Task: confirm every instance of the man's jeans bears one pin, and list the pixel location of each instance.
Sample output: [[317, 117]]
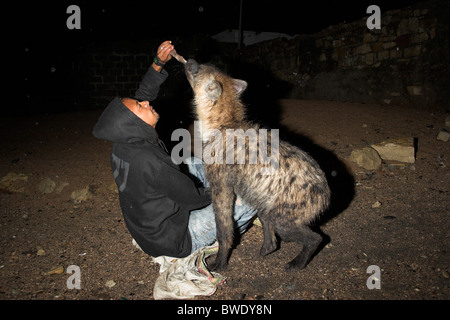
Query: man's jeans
[[202, 223]]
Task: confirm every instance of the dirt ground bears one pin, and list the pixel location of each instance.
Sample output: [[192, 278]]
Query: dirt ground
[[405, 234]]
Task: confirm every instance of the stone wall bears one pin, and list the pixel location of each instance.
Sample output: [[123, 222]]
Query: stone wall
[[404, 62], [116, 71]]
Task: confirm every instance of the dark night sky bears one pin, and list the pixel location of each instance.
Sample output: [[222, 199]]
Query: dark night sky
[[41, 35], [134, 19]]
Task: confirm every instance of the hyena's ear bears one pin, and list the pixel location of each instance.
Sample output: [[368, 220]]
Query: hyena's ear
[[213, 90], [239, 85]]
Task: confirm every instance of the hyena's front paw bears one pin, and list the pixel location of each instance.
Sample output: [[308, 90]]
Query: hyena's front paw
[[293, 266], [267, 248], [218, 265], [298, 263]]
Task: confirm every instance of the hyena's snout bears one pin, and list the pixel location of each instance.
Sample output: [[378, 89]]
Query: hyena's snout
[[192, 67]]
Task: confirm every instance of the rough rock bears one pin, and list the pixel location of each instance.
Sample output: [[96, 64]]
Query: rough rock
[[61, 186], [376, 204], [400, 149], [46, 186], [366, 158], [56, 270], [81, 194], [443, 135], [113, 188], [13, 182], [40, 251], [447, 121]]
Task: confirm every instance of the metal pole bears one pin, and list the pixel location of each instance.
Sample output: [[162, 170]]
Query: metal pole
[[240, 27]]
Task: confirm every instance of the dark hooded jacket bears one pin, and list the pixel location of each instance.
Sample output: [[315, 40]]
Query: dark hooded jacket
[[155, 195]]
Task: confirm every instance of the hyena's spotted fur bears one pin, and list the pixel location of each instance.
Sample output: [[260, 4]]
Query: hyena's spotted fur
[[287, 200]]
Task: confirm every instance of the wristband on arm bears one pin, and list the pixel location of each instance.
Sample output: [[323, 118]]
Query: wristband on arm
[[158, 62]]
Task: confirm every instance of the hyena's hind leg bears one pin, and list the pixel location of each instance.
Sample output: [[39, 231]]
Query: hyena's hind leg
[[304, 235], [270, 240]]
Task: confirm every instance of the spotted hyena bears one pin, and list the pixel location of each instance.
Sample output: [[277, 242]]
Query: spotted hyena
[[288, 195]]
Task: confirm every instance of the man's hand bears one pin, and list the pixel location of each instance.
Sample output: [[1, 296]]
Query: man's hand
[[163, 52]]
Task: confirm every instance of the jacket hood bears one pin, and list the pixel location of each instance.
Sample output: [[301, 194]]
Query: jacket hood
[[119, 124]]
